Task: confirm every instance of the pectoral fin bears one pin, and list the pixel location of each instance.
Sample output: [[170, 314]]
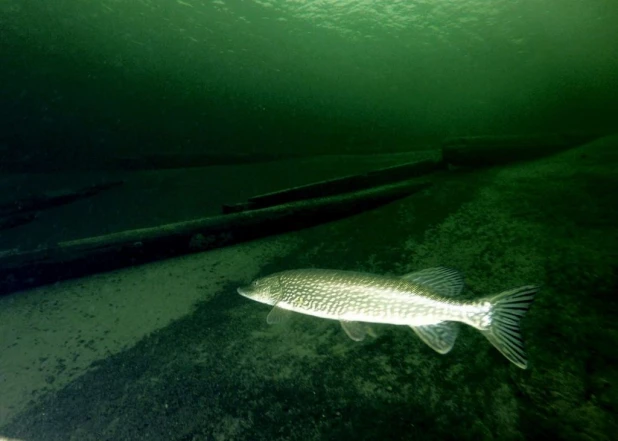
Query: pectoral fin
[[440, 337], [356, 331], [277, 315]]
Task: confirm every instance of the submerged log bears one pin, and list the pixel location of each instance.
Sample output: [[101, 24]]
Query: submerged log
[[493, 150], [16, 220], [25, 269], [49, 200], [336, 186], [170, 160]]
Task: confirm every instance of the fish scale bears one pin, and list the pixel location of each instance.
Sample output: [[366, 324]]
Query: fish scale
[[351, 295], [424, 300]]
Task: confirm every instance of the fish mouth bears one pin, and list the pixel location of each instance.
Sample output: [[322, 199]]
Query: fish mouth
[[243, 290]]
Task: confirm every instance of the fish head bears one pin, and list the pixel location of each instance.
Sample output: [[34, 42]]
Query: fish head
[[264, 290]]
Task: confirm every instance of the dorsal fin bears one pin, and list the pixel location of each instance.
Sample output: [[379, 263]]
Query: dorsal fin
[[443, 281]]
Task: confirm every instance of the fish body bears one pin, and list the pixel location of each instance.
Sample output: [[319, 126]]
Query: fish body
[[425, 300]]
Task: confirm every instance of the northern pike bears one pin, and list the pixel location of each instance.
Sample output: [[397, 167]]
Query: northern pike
[[425, 300]]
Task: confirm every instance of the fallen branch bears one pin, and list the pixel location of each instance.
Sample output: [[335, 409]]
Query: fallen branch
[[492, 150], [76, 258], [16, 220], [50, 200], [331, 187]]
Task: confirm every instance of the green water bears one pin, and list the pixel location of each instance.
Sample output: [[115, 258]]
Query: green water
[[89, 78], [169, 351]]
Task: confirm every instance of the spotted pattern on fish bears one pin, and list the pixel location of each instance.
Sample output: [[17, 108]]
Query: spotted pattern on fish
[[425, 300]]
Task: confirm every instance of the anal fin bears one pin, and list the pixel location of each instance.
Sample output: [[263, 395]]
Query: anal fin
[[439, 337]]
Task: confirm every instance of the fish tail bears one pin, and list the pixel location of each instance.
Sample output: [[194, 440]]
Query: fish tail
[[506, 311]]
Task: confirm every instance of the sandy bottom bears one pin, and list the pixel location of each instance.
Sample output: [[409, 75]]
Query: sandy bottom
[[52, 334], [169, 351]]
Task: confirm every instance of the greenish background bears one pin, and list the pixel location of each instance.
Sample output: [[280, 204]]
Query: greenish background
[[218, 371], [84, 79]]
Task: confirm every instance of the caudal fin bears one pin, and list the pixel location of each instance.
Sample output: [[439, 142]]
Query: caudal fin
[[507, 309]]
